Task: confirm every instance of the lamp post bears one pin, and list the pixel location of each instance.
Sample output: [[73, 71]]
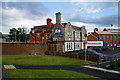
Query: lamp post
[[85, 46]]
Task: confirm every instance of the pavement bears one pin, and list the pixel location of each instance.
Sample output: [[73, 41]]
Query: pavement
[[93, 71]]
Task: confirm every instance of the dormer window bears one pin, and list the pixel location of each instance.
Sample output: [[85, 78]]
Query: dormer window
[[32, 31]]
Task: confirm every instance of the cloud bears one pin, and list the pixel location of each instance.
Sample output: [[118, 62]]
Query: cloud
[[16, 15], [104, 20]]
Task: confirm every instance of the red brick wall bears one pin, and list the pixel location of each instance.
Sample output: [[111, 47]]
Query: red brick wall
[[22, 48], [92, 38]]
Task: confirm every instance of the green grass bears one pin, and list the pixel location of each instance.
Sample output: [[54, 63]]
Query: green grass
[[40, 60], [17, 73]]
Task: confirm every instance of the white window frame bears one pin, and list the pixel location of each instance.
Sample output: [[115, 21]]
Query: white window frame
[[38, 34], [48, 36]]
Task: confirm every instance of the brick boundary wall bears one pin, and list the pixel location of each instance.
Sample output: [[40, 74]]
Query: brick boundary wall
[[23, 48]]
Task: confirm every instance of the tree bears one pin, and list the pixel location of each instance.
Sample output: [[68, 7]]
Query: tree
[[13, 34], [1, 35], [19, 34]]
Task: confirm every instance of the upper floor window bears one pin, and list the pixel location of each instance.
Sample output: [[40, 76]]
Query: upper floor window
[[47, 36], [111, 37], [118, 37], [44, 30], [38, 34], [107, 37], [103, 37], [77, 35], [32, 31], [69, 34], [114, 37], [100, 37]]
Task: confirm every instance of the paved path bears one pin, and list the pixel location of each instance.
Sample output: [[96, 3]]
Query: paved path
[[89, 71], [4, 75]]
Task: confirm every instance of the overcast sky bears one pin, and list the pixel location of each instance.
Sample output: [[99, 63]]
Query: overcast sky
[[30, 14]]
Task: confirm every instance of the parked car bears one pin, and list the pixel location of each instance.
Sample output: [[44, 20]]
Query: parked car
[[91, 52], [98, 49], [106, 48]]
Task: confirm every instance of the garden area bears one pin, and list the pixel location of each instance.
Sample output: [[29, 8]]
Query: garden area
[[41, 60]]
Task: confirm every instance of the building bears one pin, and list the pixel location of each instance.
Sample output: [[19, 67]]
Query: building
[[5, 38], [110, 36], [69, 36], [42, 33]]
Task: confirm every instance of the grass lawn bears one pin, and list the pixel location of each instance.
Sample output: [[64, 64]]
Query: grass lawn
[[40, 60], [17, 73]]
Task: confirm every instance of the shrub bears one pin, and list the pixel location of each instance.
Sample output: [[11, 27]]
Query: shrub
[[30, 54], [113, 65], [118, 63], [47, 53]]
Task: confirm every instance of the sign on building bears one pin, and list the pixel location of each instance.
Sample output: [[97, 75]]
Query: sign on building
[[94, 43]]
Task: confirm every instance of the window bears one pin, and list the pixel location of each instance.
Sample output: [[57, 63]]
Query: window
[[47, 36], [38, 34], [111, 37], [69, 34], [43, 39], [32, 31], [107, 43], [118, 37], [119, 44], [115, 44], [100, 37], [111, 43], [44, 30], [114, 37], [69, 46], [107, 37], [103, 37], [77, 35], [37, 40]]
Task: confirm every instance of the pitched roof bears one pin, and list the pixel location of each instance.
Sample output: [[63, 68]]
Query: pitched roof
[[106, 32], [39, 28], [76, 27]]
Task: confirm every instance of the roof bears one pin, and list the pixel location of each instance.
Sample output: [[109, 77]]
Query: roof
[[76, 27], [39, 28], [106, 32]]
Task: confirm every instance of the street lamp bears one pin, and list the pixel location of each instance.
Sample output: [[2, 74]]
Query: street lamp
[[85, 46]]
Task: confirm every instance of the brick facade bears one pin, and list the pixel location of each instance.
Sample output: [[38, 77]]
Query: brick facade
[[23, 48], [43, 31], [111, 38]]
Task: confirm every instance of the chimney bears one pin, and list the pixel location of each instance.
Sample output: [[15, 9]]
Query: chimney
[[96, 29], [58, 18], [48, 23], [104, 29]]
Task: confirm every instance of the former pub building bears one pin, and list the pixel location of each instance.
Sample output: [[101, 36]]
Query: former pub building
[[67, 36]]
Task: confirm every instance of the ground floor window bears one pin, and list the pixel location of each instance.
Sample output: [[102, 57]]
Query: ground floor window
[[119, 44], [111, 43], [115, 44], [43, 39], [69, 45]]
